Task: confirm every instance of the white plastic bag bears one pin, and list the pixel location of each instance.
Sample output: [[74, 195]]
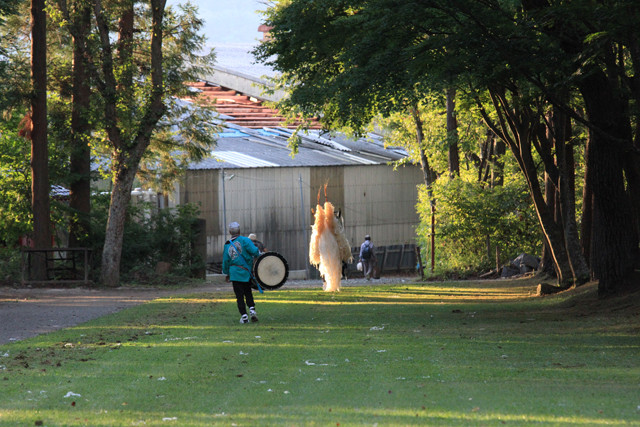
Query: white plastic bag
[[359, 266]]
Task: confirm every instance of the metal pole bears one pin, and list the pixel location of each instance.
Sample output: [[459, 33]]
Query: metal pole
[[433, 236], [304, 224], [224, 206], [86, 265]]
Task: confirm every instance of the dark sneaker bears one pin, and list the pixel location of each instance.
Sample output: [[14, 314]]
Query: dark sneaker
[[244, 319], [254, 315]]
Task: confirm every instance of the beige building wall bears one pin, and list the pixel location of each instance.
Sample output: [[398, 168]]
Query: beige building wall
[[265, 201], [381, 202], [276, 204]]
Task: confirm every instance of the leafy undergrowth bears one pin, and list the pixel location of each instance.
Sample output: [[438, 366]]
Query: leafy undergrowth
[[458, 353]]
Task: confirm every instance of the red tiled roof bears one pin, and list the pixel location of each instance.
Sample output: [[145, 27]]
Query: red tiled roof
[[244, 110]]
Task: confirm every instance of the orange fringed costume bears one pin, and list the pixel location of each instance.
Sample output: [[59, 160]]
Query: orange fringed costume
[[329, 246]]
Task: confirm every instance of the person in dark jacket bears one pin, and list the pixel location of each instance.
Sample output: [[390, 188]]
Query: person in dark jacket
[[367, 257], [239, 254]]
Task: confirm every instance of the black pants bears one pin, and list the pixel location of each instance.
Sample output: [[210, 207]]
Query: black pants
[[243, 292]]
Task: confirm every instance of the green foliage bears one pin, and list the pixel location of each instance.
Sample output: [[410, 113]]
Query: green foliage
[[8, 7], [119, 80], [399, 129], [351, 61], [15, 82], [472, 220], [187, 130], [336, 63], [10, 266], [469, 212], [150, 236], [15, 184]]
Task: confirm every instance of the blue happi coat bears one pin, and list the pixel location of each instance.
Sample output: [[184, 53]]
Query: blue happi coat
[[237, 259]]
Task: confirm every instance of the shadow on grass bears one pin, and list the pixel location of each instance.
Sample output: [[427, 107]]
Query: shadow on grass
[[391, 355]]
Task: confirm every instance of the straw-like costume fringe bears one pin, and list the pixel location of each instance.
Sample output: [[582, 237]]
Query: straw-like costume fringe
[[329, 246]]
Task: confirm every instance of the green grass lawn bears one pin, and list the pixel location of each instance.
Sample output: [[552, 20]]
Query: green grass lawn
[[464, 353]]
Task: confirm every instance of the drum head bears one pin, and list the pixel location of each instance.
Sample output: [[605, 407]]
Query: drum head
[[271, 270]]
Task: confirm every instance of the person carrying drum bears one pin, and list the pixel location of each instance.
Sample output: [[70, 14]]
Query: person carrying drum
[[239, 254]]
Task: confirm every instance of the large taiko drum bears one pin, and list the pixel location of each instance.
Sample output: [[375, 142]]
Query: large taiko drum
[[270, 270]]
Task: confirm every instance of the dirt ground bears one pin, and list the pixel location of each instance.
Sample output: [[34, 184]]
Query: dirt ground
[[27, 312]]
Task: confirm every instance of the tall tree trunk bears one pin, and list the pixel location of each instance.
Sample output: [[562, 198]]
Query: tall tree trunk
[[452, 134], [586, 222], [114, 234], [429, 178], [127, 154], [429, 174], [521, 124], [632, 161], [80, 159], [497, 164], [632, 174], [552, 231], [561, 124], [40, 186], [124, 52], [612, 245], [547, 265], [484, 162]]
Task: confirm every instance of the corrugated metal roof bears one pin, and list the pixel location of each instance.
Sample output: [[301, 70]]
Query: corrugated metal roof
[[241, 109], [59, 192], [257, 136], [250, 148], [241, 159]]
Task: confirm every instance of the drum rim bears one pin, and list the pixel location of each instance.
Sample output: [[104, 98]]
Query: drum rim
[[286, 270]]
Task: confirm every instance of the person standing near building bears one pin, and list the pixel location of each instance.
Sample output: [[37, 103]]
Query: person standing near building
[[367, 257], [238, 256], [257, 242]]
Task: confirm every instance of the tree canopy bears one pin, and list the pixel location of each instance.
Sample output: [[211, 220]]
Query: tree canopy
[[116, 71], [530, 68]]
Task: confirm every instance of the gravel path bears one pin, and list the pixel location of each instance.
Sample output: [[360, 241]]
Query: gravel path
[[27, 312]]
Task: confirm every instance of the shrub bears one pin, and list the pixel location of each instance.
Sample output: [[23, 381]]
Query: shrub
[[473, 220], [10, 266], [150, 236]]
